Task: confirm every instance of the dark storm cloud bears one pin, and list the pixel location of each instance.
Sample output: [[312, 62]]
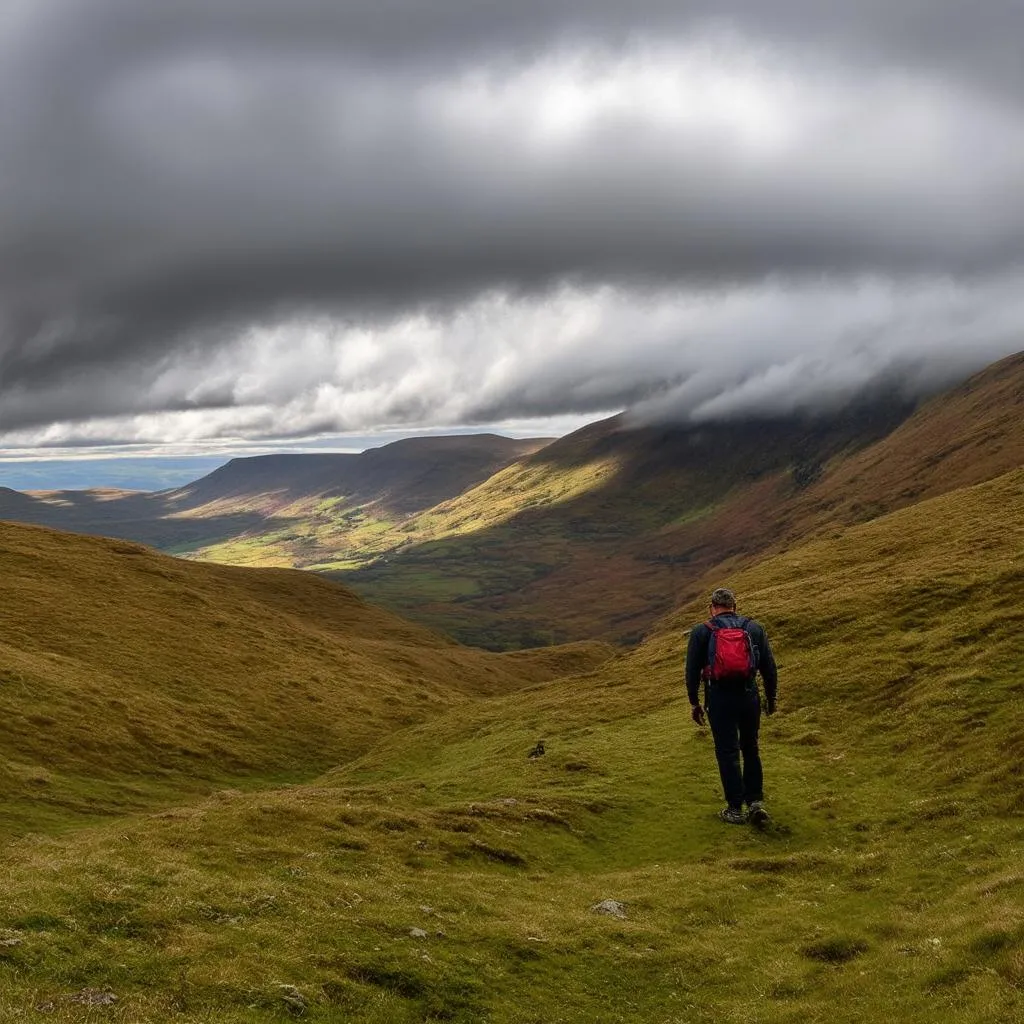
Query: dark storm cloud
[[175, 175]]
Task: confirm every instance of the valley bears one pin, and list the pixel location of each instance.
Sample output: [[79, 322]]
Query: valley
[[439, 873], [505, 544], [235, 793]]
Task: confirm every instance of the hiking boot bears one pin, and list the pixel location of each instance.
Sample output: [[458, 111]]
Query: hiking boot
[[757, 815], [732, 816]]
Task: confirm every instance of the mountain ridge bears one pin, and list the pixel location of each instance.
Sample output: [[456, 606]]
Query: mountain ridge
[[248, 492], [602, 531]]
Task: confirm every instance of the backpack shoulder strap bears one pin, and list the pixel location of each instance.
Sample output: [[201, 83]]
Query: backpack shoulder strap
[[711, 625]]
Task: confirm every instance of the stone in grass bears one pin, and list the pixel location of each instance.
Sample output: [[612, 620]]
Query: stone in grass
[[295, 1002], [613, 908], [94, 997], [417, 933]]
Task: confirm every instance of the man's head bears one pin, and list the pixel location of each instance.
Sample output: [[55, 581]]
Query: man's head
[[723, 600]]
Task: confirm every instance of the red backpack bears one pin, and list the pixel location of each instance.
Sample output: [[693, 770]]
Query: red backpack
[[731, 654]]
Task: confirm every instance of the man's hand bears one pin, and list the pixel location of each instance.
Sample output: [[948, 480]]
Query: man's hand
[[697, 714], [769, 705]]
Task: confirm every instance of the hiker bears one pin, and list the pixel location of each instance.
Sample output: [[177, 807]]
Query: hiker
[[727, 652]]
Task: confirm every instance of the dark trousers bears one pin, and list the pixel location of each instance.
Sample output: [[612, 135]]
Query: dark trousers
[[734, 713]]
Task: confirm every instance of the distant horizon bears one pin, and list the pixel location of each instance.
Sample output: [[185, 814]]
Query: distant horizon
[[159, 467]]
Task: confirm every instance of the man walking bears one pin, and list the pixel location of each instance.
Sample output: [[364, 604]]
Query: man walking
[[727, 652]]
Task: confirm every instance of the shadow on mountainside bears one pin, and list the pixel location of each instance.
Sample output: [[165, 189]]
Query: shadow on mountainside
[[272, 493], [143, 518], [609, 561]]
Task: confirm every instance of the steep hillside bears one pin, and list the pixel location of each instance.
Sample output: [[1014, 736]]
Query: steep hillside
[[124, 673], [967, 435], [399, 478], [447, 876], [604, 530], [286, 499], [601, 532]]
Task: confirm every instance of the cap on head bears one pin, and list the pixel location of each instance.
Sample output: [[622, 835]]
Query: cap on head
[[723, 598]]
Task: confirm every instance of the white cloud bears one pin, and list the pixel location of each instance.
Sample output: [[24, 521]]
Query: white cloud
[[580, 353]]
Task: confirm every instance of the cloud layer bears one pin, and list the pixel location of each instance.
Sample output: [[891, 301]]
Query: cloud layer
[[257, 219]]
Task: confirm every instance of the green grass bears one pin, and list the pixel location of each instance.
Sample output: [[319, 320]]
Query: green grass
[[128, 678], [890, 886]]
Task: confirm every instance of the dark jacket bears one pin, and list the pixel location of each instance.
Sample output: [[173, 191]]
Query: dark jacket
[[697, 653]]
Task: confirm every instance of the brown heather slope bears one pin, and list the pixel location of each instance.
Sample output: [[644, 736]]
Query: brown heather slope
[[965, 436], [677, 502], [124, 672]]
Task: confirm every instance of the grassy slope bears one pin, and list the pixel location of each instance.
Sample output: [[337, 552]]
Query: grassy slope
[[890, 888], [605, 530], [589, 535], [125, 674]]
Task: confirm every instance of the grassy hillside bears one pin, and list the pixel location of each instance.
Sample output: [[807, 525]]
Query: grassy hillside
[[127, 676], [605, 530], [890, 886]]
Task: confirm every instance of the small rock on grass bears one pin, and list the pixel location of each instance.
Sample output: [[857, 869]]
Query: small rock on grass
[[417, 933], [613, 908], [293, 999], [94, 997]]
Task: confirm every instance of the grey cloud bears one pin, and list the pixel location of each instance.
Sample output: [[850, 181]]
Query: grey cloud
[[770, 349], [175, 174]]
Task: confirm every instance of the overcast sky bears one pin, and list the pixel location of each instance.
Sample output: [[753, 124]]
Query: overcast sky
[[281, 218]]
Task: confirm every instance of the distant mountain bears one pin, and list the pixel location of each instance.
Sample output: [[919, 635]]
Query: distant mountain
[[271, 490], [400, 478], [600, 532]]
